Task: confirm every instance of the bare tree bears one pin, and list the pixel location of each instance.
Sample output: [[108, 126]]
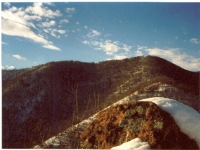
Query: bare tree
[[77, 118]]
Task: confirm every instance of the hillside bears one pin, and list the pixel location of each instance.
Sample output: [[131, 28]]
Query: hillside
[[157, 122], [42, 101], [144, 120]]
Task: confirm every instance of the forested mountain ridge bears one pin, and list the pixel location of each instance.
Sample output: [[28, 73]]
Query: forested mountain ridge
[[39, 102]]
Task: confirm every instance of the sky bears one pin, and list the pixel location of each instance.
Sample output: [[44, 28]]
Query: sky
[[36, 33]]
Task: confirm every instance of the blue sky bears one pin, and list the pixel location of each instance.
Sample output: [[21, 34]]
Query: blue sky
[[37, 33]]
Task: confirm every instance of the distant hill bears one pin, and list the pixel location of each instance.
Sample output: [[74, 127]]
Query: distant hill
[[41, 101]]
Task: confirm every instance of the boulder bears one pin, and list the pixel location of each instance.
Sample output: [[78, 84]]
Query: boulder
[[144, 120]]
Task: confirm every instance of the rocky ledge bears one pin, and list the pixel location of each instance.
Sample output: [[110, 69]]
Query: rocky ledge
[[144, 120]]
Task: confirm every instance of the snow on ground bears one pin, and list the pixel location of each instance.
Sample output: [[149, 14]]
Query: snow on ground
[[135, 144], [56, 140], [185, 117]]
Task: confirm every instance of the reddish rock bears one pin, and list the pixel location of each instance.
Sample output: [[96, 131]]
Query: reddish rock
[[145, 120]]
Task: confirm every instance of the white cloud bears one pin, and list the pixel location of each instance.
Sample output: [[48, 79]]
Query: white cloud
[[45, 30], [7, 4], [40, 10], [70, 10], [17, 22], [110, 47], [49, 3], [4, 43], [96, 43], [61, 31], [126, 47], [2, 67], [139, 53], [141, 47], [64, 21], [19, 57], [15, 15], [16, 29], [175, 56], [49, 46], [30, 18], [24, 16], [77, 23], [120, 56], [48, 24], [194, 41], [55, 35], [93, 34], [140, 50], [14, 9], [55, 32], [10, 67], [86, 42], [172, 54]]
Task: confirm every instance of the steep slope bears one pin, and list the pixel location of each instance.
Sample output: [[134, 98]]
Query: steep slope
[[40, 102], [37, 100]]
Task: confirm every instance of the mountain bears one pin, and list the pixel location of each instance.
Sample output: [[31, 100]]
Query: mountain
[[42, 101]]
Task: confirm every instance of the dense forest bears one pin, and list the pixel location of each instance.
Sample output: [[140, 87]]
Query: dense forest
[[44, 100]]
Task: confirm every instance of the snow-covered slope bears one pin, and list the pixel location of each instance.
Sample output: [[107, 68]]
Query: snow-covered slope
[[186, 118]]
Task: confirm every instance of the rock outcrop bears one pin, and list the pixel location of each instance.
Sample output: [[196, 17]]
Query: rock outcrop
[[144, 120]]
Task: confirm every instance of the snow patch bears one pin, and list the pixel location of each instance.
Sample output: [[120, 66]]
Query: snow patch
[[53, 141], [135, 144], [185, 117]]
